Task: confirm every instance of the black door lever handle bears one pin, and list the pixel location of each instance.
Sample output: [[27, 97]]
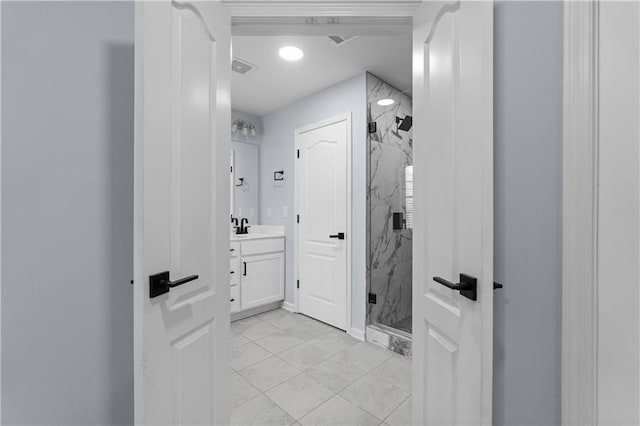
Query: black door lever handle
[[160, 284], [339, 235], [497, 285], [468, 286], [176, 283], [452, 286]]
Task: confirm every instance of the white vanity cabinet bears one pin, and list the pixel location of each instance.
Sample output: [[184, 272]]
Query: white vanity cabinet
[[258, 271], [235, 277]]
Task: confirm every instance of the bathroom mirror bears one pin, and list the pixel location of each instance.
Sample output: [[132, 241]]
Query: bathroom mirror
[[245, 179], [246, 135]]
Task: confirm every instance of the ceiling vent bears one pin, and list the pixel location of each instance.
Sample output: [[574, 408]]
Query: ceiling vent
[[340, 40], [241, 66]]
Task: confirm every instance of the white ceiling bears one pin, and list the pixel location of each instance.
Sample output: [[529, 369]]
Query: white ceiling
[[276, 82]]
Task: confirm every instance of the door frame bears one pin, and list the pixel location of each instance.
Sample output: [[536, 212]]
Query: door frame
[[580, 214], [386, 18], [279, 9], [296, 235], [0, 214]]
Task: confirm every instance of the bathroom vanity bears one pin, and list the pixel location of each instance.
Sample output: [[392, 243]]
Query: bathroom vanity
[[257, 270]]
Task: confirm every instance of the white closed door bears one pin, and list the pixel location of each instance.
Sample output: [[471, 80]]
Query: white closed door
[[322, 171], [181, 327], [453, 232]]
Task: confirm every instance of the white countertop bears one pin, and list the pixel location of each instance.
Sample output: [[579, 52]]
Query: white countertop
[[257, 232]]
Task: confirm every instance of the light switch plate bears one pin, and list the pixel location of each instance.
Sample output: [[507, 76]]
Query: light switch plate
[[285, 211]]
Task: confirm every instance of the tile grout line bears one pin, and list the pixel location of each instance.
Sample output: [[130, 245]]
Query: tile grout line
[[363, 408], [396, 409], [333, 394], [315, 408]]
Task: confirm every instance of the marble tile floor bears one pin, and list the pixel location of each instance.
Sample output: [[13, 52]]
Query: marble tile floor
[[288, 369]]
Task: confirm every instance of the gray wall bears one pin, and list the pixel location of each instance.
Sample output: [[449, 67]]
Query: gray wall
[[277, 153], [67, 213], [528, 201]]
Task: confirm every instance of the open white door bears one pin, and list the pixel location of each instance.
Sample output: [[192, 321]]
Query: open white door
[[453, 166], [182, 115]]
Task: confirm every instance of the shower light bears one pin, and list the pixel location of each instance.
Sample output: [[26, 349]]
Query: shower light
[[291, 53], [386, 102]]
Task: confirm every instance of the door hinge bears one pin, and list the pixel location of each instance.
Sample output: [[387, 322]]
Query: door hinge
[[373, 127], [298, 284], [231, 169], [298, 218], [298, 153], [373, 298]]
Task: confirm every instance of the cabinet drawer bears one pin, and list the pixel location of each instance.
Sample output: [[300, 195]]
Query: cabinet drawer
[[234, 249], [270, 245], [235, 299], [235, 271]]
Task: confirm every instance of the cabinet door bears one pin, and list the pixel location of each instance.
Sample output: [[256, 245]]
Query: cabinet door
[[262, 279]]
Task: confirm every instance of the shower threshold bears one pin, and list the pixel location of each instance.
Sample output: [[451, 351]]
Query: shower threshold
[[395, 340]]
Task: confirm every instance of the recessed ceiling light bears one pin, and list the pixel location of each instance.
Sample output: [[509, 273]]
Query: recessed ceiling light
[[386, 102], [291, 53]]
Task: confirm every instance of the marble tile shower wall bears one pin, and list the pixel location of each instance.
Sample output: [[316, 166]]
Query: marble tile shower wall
[[389, 250]]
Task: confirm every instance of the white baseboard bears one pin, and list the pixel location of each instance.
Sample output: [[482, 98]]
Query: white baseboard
[[288, 306], [356, 333], [254, 311]]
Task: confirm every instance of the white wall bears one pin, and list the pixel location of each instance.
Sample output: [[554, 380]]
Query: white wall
[[278, 153], [67, 213]]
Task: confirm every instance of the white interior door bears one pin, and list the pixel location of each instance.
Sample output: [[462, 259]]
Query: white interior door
[[453, 233], [182, 147], [322, 198]]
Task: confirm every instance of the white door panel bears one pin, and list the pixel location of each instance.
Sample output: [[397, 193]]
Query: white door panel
[[321, 196], [181, 217], [453, 233]]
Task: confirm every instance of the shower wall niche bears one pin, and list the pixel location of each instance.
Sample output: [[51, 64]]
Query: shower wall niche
[[390, 207]]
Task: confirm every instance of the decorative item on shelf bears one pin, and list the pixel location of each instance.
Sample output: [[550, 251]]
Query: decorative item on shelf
[[243, 128], [241, 180], [278, 175]]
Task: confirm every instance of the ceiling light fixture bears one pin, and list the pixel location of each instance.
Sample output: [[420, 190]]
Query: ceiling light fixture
[[243, 128], [291, 53], [386, 102]]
